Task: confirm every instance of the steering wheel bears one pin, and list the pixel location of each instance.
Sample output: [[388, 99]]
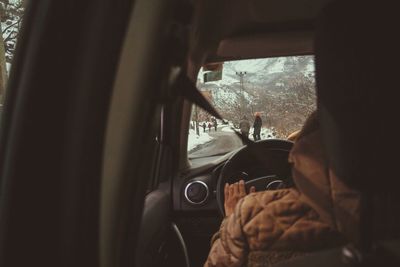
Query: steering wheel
[[263, 164]]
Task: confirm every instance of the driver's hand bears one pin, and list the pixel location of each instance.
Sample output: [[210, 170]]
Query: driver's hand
[[233, 193]]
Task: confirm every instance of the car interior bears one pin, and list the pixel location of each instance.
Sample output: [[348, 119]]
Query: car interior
[[94, 158]]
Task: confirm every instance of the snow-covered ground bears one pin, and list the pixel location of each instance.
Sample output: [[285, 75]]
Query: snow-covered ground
[[227, 129], [195, 140], [266, 133]]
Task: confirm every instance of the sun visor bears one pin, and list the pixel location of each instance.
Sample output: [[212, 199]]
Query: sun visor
[[265, 45]]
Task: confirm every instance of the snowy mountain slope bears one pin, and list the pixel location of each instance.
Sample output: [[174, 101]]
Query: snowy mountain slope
[[262, 71], [281, 88]]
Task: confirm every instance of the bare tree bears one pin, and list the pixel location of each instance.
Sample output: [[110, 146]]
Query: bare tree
[[11, 15], [3, 70], [284, 107], [11, 18]]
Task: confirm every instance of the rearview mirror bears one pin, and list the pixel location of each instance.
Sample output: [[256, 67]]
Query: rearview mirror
[[212, 72]]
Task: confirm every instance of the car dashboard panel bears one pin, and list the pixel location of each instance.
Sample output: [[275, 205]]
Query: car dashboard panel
[[196, 211], [198, 193]]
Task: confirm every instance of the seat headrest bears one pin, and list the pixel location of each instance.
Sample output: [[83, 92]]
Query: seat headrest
[[358, 71]]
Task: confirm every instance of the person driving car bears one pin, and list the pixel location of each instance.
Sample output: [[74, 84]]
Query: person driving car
[[264, 228]]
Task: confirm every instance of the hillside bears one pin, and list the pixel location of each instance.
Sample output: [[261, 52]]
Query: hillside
[[282, 89]]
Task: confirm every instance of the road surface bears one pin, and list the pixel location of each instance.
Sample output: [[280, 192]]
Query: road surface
[[222, 142]]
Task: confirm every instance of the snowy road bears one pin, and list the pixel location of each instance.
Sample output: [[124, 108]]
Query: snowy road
[[222, 142]]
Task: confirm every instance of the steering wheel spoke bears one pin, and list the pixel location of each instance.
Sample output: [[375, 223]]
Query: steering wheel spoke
[[270, 182], [263, 164]]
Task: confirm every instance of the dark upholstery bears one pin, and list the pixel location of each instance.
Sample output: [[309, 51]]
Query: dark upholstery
[[358, 71]]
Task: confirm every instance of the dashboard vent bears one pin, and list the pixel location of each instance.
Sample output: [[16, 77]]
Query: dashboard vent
[[196, 192]]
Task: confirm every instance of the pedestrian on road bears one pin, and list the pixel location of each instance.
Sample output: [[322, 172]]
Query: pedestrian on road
[[215, 125], [257, 126], [244, 126], [209, 127], [204, 127]]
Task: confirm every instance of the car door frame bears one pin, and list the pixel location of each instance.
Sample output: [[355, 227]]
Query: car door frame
[[53, 133]]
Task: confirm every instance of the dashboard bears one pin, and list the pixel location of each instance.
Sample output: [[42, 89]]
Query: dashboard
[[197, 190], [198, 197], [266, 162]]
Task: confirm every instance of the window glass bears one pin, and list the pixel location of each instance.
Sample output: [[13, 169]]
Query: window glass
[[262, 98], [11, 15]]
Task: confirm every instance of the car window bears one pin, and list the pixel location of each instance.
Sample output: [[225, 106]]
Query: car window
[[11, 15], [262, 98]]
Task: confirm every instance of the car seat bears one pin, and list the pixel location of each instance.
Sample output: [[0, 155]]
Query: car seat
[[357, 57]]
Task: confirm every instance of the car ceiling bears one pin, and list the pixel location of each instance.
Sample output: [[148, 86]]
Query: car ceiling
[[226, 29]]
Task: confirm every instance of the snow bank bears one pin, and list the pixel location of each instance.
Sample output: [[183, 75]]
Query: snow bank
[[227, 129], [265, 133], [194, 140]]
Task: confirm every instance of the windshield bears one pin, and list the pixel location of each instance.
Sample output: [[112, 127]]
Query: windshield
[[261, 98]]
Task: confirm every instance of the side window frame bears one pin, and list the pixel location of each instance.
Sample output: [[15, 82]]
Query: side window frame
[[157, 132]]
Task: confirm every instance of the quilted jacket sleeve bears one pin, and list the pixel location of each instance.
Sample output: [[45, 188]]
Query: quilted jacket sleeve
[[229, 247]]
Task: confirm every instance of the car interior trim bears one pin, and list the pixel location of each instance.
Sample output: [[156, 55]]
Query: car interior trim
[[196, 182], [182, 243], [271, 184]]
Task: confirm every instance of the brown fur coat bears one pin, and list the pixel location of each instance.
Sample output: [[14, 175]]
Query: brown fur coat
[[270, 226]]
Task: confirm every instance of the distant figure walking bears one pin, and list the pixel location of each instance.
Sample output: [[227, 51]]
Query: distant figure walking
[[204, 127], [215, 124], [257, 127], [209, 127], [244, 126]]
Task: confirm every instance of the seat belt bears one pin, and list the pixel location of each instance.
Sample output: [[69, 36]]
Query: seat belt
[[188, 90]]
